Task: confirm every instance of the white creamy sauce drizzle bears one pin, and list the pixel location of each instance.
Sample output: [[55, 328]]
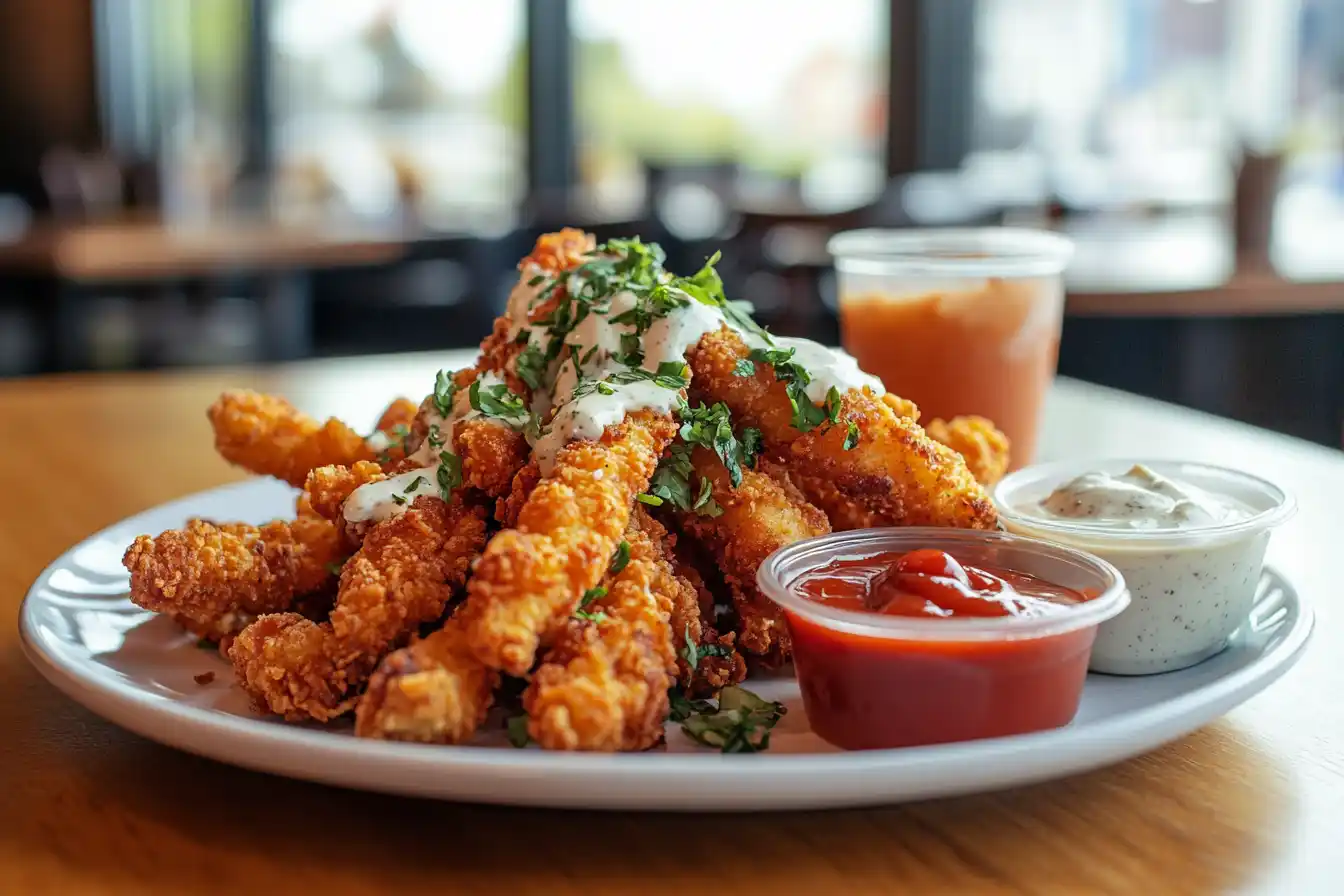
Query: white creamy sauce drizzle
[[828, 368], [377, 501], [1138, 499]]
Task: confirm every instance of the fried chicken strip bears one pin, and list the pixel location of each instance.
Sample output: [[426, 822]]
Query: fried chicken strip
[[895, 470], [267, 435], [530, 577], [212, 577], [978, 441], [434, 690], [403, 576], [760, 515], [603, 685]]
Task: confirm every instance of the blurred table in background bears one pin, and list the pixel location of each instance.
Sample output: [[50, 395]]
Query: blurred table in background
[[140, 255]]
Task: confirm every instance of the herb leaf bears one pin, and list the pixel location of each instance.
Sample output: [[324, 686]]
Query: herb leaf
[[744, 368], [449, 474], [530, 365], [740, 724], [752, 442], [620, 559], [496, 401], [518, 735], [444, 390], [852, 436]]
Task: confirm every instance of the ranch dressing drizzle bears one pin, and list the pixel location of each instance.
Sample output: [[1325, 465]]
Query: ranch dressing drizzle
[[377, 501]]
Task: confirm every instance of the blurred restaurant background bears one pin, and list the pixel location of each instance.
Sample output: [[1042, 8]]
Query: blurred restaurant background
[[237, 181]]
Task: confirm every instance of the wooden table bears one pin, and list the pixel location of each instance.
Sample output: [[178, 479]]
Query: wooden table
[[1253, 803]]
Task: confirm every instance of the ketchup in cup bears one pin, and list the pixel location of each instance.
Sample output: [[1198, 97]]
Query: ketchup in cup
[[912, 636]]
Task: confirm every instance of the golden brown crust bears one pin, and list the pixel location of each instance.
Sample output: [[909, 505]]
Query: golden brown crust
[[431, 691], [402, 577], [984, 448], [603, 685], [267, 435], [895, 470], [209, 574], [530, 578], [760, 515]]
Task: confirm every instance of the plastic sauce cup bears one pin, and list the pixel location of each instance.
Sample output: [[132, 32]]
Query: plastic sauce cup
[[1192, 588], [872, 681]]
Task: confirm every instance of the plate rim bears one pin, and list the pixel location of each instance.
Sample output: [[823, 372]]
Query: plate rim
[[234, 739]]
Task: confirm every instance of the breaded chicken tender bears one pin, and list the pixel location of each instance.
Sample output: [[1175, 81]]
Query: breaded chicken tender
[[267, 435], [434, 690], [603, 684], [895, 469], [212, 576], [978, 441], [530, 577], [760, 515], [402, 577]]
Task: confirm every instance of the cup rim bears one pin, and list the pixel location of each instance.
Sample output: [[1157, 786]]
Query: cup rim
[[998, 251], [1281, 503], [775, 581]]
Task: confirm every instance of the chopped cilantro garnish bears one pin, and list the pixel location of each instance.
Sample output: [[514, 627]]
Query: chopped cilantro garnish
[[435, 436], [712, 428], [740, 724], [620, 559], [605, 388], [518, 736], [444, 390], [834, 404], [852, 436], [589, 596], [495, 401], [744, 368], [705, 505], [449, 473], [650, 500], [537, 280], [752, 443], [398, 499], [415, 484], [531, 366], [681, 708]]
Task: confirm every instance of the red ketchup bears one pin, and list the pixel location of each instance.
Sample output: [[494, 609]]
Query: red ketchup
[[884, 689]]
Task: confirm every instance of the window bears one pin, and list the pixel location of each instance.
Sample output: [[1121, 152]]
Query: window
[[1105, 101], [388, 104], [791, 89]]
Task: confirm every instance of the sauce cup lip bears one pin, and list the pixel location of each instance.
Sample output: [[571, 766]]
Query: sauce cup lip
[[1281, 504], [781, 569], [952, 252]]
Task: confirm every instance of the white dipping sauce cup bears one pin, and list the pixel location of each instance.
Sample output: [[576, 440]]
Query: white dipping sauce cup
[[1191, 588]]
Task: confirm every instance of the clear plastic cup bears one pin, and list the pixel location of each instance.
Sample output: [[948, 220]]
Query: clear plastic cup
[[1191, 588], [871, 681], [959, 321]]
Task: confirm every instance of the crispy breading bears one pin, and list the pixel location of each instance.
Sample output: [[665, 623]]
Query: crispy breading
[[434, 690], [760, 515], [530, 578], [208, 574], [403, 576], [603, 684], [895, 470], [328, 488], [401, 412], [267, 435], [691, 616], [984, 448]]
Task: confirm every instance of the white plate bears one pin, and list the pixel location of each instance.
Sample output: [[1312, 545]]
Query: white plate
[[138, 671]]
